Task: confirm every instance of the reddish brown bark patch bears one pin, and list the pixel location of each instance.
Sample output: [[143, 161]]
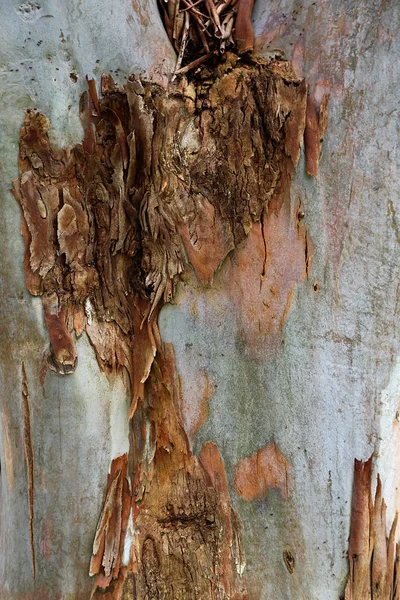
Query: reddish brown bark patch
[[265, 469], [211, 461], [63, 351], [262, 276], [244, 33]]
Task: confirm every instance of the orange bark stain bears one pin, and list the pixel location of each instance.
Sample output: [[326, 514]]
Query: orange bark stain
[[262, 276], [266, 469], [139, 9], [195, 402]]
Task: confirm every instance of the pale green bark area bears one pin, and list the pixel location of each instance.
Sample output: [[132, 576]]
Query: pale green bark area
[[329, 394]]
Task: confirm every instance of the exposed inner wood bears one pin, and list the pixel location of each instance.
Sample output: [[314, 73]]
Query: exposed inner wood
[[165, 180]]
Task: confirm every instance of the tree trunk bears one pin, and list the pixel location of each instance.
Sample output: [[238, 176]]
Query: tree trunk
[[199, 321]]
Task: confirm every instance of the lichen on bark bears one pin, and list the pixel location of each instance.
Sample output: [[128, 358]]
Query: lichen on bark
[[166, 179]]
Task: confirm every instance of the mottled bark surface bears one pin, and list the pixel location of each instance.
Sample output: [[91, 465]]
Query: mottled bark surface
[[162, 178], [165, 180], [288, 362]]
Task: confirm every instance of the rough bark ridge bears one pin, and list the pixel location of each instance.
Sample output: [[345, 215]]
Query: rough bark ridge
[[164, 178], [374, 559]]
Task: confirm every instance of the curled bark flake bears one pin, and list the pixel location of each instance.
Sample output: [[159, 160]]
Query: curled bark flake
[[244, 33], [63, 351], [40, 207]]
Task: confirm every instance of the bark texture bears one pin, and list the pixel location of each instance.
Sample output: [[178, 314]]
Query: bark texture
[[297, 336], [164, 179]]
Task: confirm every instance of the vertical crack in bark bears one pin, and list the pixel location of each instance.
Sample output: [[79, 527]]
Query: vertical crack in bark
[[28, 451], [373, 558], [265, 247], [316, 126], [165, 180]]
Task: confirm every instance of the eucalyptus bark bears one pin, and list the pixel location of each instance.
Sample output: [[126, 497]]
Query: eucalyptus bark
[[202, 333]]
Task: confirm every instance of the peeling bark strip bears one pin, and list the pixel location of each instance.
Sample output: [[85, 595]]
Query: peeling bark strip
[[109, 539], [28, 451], [374, 559], [164, 179]]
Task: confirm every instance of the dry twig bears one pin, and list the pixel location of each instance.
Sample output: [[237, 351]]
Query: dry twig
[[200, 29]]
